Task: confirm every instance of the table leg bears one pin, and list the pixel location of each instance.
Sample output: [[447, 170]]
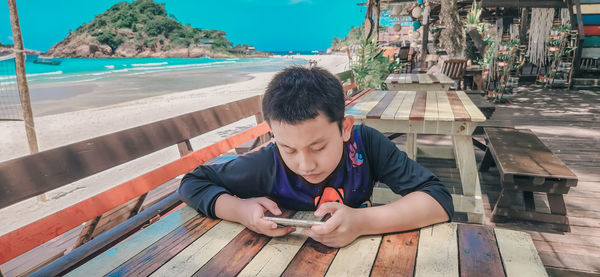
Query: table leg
[[411, 145], [469, 177]]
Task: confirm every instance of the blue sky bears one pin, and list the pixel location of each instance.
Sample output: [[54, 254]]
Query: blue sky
[[266, 24]]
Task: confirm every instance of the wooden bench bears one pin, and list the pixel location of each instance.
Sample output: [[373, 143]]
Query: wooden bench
[[526, 166], [32, 175]]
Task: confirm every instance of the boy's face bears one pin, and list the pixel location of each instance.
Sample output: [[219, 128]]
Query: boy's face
[[312, 148]]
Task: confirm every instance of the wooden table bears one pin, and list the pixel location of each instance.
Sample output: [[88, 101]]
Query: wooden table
[[475, 74], [187, 244], [430, 112], [420, 81]]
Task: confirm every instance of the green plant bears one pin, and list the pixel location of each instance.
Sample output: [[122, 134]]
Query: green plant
[[474, 14], [372, 67]]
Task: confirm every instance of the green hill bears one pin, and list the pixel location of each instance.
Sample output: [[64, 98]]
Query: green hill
[[143, 29]]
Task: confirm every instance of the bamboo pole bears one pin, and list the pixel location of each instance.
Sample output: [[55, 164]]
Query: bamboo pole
[[22, 81]]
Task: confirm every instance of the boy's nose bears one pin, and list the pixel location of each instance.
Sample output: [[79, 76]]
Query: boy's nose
[[306, 165]]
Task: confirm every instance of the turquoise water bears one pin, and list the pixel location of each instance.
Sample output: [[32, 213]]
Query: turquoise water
[[83, 70]]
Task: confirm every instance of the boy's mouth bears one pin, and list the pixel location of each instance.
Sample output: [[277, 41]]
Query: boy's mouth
[[311, 176]]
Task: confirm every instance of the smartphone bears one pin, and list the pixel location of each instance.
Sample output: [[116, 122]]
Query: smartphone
[[293, 222]]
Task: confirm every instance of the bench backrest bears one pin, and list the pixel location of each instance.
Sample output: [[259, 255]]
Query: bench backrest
[[35, 174], [455, 69], [348, 82]]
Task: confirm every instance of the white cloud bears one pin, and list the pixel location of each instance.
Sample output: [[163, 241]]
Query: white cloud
[[10, 38]]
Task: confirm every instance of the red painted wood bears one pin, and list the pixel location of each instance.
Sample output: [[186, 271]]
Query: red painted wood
[[28, 237], [418, 108]]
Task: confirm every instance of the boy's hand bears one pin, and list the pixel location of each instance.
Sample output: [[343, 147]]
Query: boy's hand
[[252, 211], [342, 228]]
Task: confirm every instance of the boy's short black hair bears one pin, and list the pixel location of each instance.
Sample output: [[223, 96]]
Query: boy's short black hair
[[299, 93]]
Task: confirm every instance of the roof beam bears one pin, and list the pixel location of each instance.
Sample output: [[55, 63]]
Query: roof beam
[[524, 3]]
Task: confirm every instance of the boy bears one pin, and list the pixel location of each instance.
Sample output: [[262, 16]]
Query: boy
[[321, 162]]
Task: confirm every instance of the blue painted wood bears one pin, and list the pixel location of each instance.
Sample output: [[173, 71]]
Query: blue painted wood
[[589, 1], [591, 41], [590, 19], [122, 252]]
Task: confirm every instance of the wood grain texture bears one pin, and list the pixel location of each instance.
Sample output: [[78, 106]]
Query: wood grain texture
[[393, 107], [418, 108], [519, 254], [382, 105], [355, 259], [478, 252], [312, 257], [458, 109], [273, 259], [237, 254], [474, 112], [156, 255], [186, 262], [397, 255], [438, 251], [405, 108], [120, 253]]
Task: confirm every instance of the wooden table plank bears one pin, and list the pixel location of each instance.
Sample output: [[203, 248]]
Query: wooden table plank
[[313, 257], [355, 259], [120, 253], [405, 109], [397, 255], [273, 259], [425, 79], [382, 105], [237, 254], [478, 252], [393, 107], [474, 112], [433, 78], [415, 78], [418, 109], [519, 254], [443, 78], [201, 251], [431, 106], [361, 109], [156, 255], [444, 108], [438, 251], [458, 109]]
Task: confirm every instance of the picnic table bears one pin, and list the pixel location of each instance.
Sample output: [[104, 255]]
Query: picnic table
[[185, 243], [418, 81], [430, 112]]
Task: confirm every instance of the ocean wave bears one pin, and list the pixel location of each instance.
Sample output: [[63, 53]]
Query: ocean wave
[[110, 66], [46, 73], [149, 64]]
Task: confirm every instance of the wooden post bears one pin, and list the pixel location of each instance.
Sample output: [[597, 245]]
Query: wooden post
[[424, 42], [580, 37], [22, 81], [368, 23], [524, 25], [21, 77], [376, 12]]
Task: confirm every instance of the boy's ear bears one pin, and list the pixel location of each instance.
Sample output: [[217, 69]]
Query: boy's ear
[[347, 127]]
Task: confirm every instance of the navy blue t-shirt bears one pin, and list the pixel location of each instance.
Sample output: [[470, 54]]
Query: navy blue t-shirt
[[368, 157]]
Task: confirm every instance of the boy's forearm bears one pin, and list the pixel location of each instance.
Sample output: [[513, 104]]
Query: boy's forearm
[[415, 210], [227, 207]]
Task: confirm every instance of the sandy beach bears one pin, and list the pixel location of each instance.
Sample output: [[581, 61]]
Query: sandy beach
[[64, 128]]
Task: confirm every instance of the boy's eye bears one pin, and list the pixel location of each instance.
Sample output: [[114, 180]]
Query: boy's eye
[[319, 149]]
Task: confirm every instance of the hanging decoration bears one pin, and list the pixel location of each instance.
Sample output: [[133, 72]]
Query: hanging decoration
[[416, 25], [416, 12], [541, 23]]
